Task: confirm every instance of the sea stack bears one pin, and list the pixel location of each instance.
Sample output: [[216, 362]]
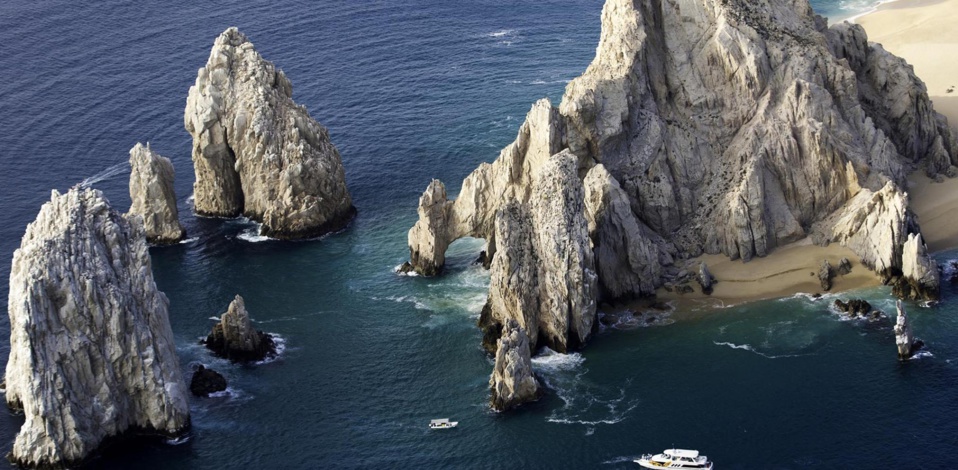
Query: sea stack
[[903, 336], [512, 382], [151, 190], [235, 338], [258, 153], [92, 354], [920, 277]]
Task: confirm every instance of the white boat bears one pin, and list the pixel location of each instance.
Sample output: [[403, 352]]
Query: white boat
[[675, 458], [443, 423]]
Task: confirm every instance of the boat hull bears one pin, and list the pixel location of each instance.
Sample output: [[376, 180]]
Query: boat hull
[[657, 465]]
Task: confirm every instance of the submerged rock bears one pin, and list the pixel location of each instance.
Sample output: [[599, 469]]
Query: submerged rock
[[512, 382], [235, 338], [151, 189], [206, 381], [258, 153], [92, 355]]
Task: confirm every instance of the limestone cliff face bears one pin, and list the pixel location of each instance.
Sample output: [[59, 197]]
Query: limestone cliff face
[[91, 350], [258, 153], [151, 190], [722, 127], [512, 382], [543, 273]]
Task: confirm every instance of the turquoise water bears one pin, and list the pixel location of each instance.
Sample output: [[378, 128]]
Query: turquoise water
[[412, 91]]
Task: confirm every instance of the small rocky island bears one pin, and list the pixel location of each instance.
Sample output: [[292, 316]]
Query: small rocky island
[[92, 354], [234, 337], [151, 190], [258, 153], [730, 127]]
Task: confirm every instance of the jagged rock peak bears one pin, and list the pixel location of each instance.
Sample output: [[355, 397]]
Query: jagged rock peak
[[512, 382], [92, 354], [920, 277], [907, 345], [256, 152], [543, 274], [234, 337], [151, 190]]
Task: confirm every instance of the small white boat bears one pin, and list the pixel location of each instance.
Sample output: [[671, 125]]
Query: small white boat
[[443, 423], [675, 458]]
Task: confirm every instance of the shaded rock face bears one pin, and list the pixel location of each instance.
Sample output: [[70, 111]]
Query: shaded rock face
[[235, 338], [258, 153], [512, 382], [705, 279], [151, 190], [543, 274], [825, 275], [903, 336], [92, 354], [858, 308], [206, 381]]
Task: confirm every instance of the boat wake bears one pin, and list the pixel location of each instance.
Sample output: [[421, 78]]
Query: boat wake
[[110, 172], [746, 347]]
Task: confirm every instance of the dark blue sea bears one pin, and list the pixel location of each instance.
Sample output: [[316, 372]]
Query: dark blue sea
[[411, 91]]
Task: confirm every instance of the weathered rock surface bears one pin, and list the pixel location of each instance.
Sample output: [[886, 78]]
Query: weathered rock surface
[[512, 382], [206, 381], [151, 190], [920, 277], [235, 338], [858, 308], [825, 275], [258, 153], [91, 350], [907, 346], [844, 267], [705, 279], [543, 274]]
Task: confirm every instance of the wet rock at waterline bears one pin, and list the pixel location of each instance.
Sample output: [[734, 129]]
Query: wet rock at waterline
[[206, 381], [907, 344], [92, 354], [512, 382], [235, 338]]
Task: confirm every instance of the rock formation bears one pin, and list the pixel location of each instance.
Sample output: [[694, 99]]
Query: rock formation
[[92, 354], [844, 267], [258, 153], [920, 277], [206, 381], [907, 344], [512, 382], [151, 190], [705, 279], [825, 275], [235, 338]]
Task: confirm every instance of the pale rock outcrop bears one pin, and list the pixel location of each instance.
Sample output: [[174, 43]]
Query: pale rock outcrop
[[543, 273], [151, 190], [729, 127], [258, 153], [92, 354], [429, 238], [234, 337], [907, 345], [512, 382], [920, 277]]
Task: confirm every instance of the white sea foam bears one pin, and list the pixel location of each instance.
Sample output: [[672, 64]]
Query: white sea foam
[[550, 361], [252, 235], [179, 440], [921, 354], [215, 318], [501, 33], [189, 240], [746, 347], [106, 174], [280, 344], [409, 274]]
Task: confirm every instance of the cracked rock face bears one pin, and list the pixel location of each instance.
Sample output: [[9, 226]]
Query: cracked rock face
[[512, 382], [151, 190], [235, 338], [258, 153], [92, 354]]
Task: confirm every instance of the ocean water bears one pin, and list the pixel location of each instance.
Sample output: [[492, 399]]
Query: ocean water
[[412, 91]]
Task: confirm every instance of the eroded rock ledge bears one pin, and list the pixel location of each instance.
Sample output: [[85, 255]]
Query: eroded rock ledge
[[258, 153], [702, 126], [92, 354]]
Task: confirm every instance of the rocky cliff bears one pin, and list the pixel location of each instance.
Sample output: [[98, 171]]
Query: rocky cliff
[[151, 190], [258, 153], [512, 382], [91, 350]]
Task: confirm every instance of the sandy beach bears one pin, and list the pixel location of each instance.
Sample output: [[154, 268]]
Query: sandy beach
[[925, 33]]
